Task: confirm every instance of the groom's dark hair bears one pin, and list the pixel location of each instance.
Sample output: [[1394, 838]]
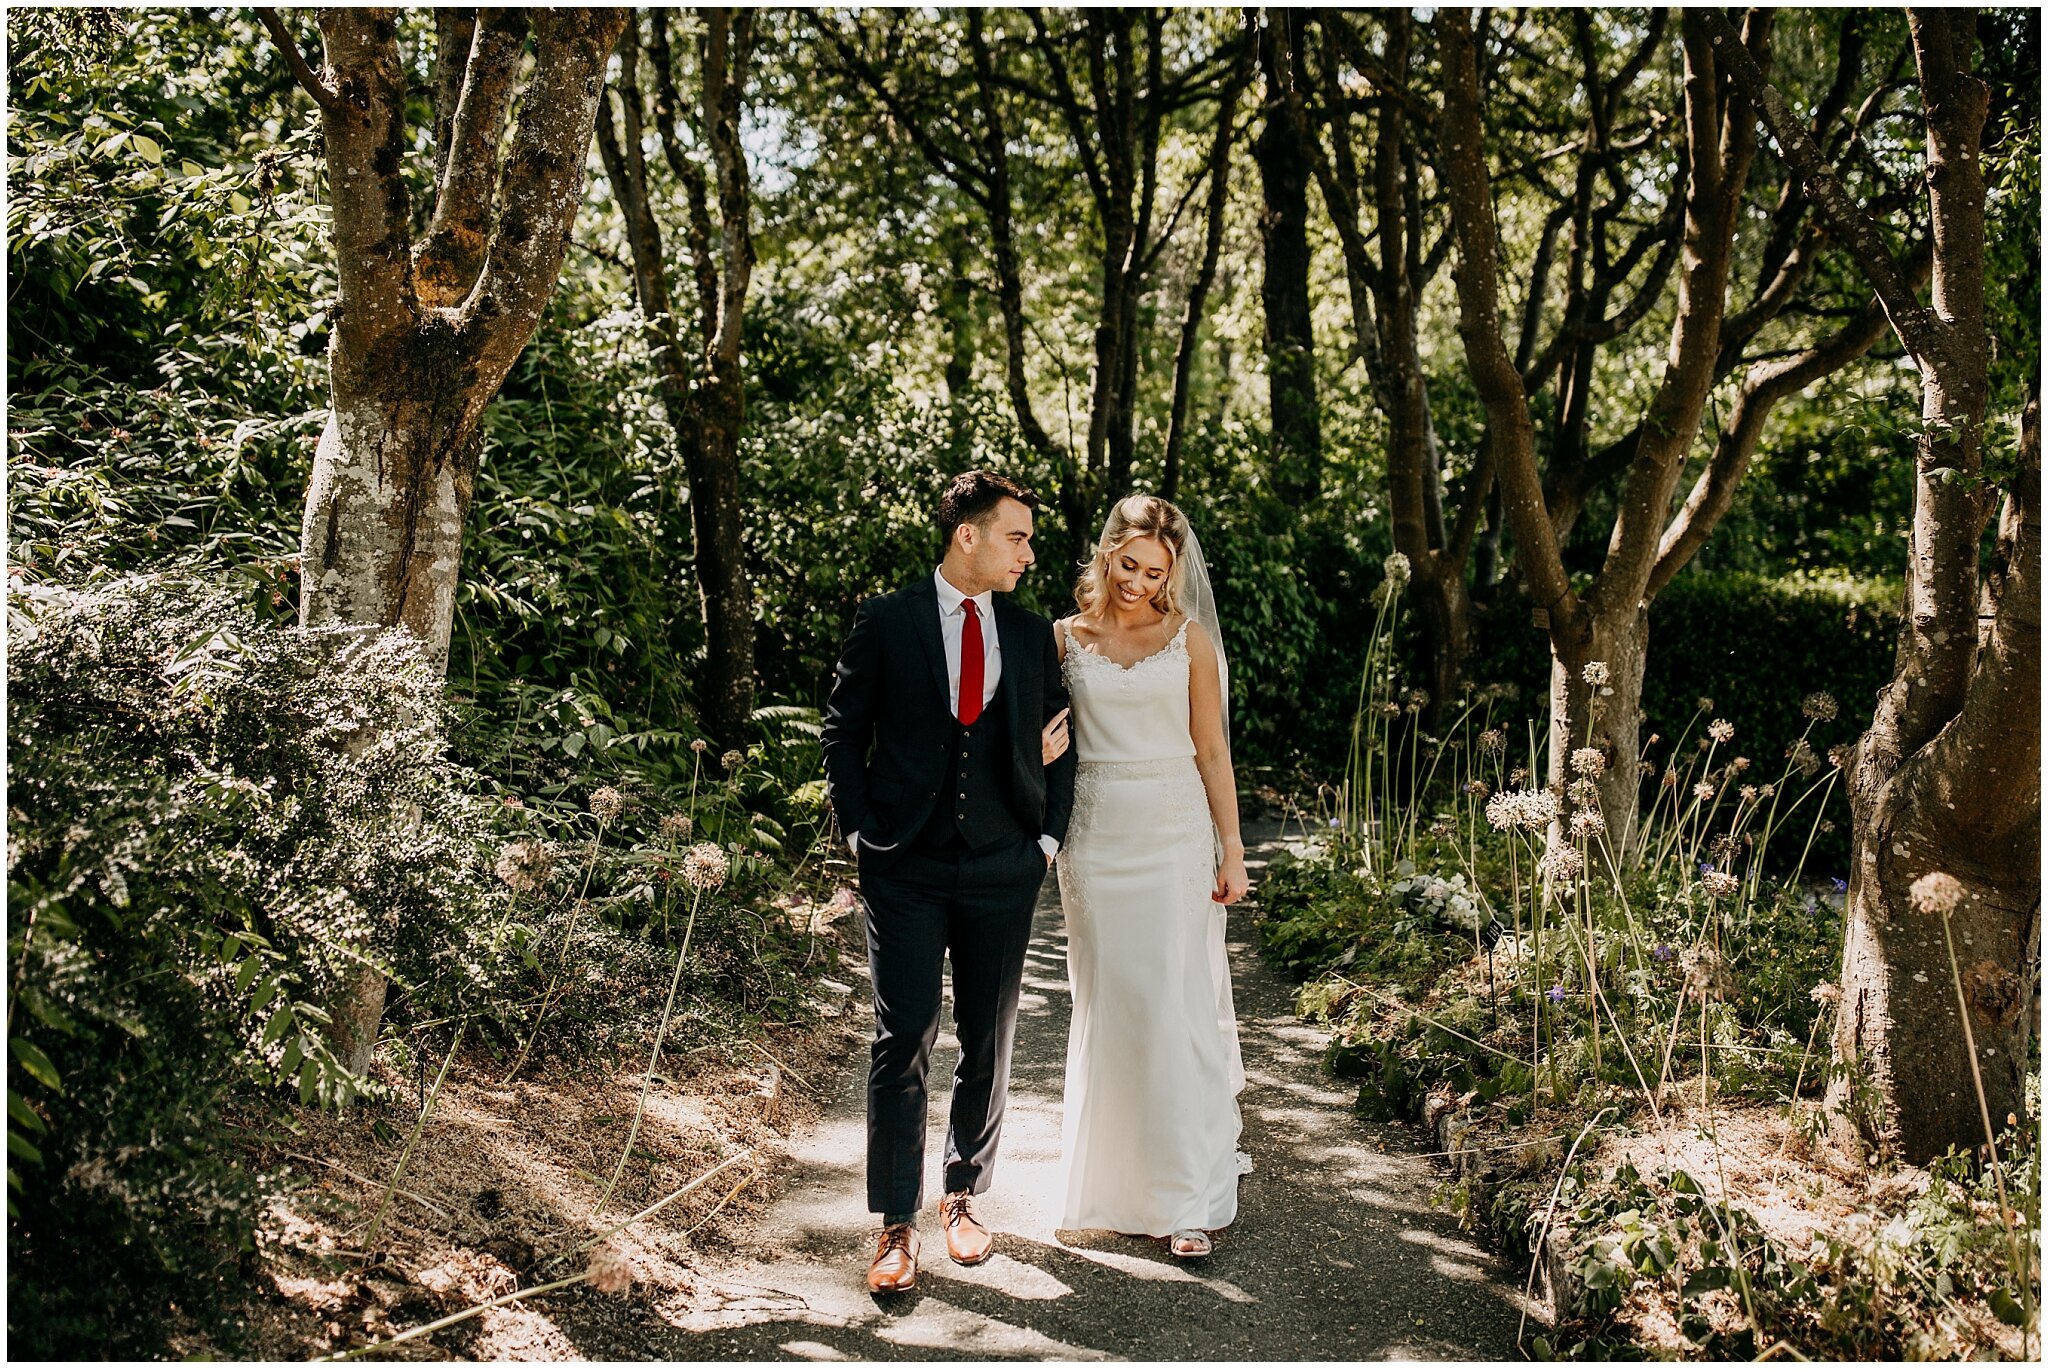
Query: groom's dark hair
[[972, 498]]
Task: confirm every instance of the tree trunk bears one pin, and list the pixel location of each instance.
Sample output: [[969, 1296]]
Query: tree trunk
[[706, 412], [1205, 272], [1947, 780], [1607, 717], [712, 455], [1966, 805], [1284, 170], [425, 335]]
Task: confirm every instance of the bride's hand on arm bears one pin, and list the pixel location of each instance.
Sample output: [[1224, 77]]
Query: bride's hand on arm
[[1056, 738]]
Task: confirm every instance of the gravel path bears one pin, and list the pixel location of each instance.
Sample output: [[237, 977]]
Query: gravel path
[[1336, 1253]]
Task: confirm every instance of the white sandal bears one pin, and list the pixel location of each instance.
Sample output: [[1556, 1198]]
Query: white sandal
[[1189, 1244]]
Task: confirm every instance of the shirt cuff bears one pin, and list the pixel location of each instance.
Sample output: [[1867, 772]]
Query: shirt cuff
[[1049, 845]]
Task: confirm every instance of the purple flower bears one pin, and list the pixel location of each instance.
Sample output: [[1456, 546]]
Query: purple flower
[[1841, 886], [1557, 993], [1661, 951], [1706, 867]]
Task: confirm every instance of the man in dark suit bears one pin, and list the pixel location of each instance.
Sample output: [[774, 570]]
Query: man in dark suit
[[933, 755]]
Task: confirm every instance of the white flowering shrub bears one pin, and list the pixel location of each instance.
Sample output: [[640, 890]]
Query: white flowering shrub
[[1450, 901], [210, 821]]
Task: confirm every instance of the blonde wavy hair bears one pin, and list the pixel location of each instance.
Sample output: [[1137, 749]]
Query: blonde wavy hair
[[1135, 516]]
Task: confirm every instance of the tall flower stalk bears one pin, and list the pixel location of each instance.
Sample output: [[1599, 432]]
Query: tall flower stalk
[[704, 868]]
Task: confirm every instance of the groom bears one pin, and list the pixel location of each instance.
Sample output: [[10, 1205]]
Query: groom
[[933, 759]]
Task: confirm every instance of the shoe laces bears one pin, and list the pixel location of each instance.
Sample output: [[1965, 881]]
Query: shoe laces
[[955, 1206], [894, 1238]]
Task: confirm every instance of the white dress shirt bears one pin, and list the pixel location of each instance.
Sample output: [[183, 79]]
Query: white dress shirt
[[952, 628]]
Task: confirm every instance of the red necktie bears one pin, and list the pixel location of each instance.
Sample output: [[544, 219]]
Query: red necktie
[[970, 664]]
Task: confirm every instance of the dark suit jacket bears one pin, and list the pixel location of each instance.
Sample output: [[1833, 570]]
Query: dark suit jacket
[[889, 724]]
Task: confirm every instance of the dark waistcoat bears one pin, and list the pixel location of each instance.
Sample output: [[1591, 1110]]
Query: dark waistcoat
[[973, 807]]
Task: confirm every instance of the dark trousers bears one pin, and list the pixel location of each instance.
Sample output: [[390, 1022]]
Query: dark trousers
[[926, 905]]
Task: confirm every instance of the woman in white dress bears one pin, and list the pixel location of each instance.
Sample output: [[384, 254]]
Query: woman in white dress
[[1152, 857]]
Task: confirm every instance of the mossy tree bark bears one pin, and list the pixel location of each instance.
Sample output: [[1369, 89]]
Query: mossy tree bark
[[425, 331]]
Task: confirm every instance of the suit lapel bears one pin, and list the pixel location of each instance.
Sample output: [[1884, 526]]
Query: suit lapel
[[924, 616], [1009, 639]]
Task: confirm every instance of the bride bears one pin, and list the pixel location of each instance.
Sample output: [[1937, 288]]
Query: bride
[[1153, 1070]]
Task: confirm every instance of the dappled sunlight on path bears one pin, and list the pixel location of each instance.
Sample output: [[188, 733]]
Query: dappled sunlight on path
[[1337, 1252]]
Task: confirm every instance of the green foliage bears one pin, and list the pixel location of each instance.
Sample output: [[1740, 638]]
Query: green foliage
[[1928, 1280], [212, 823]]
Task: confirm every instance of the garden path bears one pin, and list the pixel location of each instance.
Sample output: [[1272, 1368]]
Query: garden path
[[1337, 1252]]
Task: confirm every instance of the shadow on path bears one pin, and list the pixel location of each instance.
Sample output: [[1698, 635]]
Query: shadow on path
[[1336, 1253]]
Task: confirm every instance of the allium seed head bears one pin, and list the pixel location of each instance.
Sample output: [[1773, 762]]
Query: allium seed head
[[1838, 755], [1500, 811], [1721, 730], [1826, 994], [1803, 758], [1748, 792], [1584, 793], [1563, 863], [1820, 707], [610, 1271], [1518, 775], [607, 803], [676, 826], [1538, 808], [1738, 765], [1588, 822], [1720, 884], [732, 760], [1595, 673], [1937, 893], [522, 865], [705, 866], [1703, 791], [1476, 788], [700, 746], [1397, 571], [1588, 761], [1493, 741], [1706, 704]]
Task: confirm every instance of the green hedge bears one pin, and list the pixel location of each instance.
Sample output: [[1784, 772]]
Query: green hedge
[[1755, 645]]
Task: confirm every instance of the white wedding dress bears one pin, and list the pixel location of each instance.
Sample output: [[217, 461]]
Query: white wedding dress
[[1153, 1068]]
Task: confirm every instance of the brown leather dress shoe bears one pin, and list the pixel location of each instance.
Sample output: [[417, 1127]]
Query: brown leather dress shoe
[[894, 1268], [967, 1240]]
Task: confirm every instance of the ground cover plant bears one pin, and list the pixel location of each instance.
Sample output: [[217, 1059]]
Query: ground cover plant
[[1574, 1007]]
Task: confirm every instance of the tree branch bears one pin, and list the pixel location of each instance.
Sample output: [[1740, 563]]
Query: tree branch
[[323, 94], [446, 263], [727, 50], [1510, 434], [543, 183], [1848, 221], [1767, 385]]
